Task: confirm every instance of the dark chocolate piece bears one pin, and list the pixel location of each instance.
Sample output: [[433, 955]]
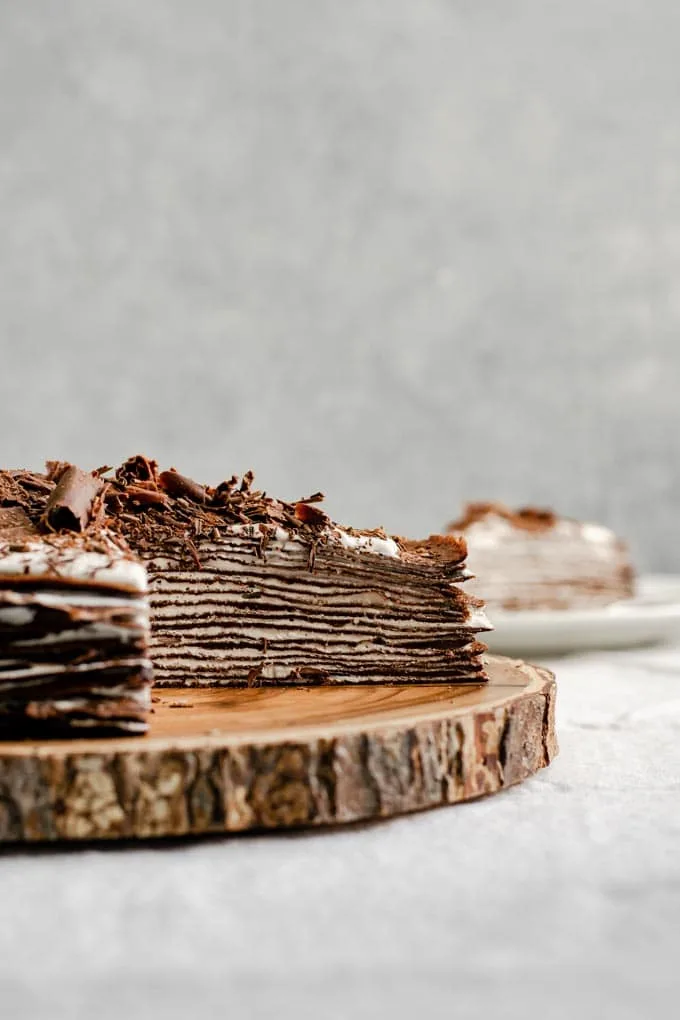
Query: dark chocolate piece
[[177, 485], [309, 514], [145, 495], [70, 505]]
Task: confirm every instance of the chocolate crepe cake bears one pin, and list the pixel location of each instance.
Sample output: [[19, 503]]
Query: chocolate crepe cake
[[243, 589], [533, 559]]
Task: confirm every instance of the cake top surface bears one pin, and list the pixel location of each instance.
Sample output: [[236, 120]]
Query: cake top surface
[[532, 521], [153, 509], [98, 558]]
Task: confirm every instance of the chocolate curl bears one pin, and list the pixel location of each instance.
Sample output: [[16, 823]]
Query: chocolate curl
[[70, 504], [137, 469], [310, 514], [177, 485], [145, 496]]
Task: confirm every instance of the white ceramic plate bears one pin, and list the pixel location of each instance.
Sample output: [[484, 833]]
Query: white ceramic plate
[[651, 617]]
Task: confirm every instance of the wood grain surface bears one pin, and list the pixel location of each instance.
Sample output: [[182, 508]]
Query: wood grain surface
[[219, 760]]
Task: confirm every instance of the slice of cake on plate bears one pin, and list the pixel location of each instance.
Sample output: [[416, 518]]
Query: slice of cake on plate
[[74, 618], [533, 559]]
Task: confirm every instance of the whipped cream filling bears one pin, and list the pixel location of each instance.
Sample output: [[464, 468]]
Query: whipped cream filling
[[139, 695], [40, 559], [93, 632], [17, 616], [66, 599], [365, 543], [478, 620], [357, 543], [283, 671], [597, 533]]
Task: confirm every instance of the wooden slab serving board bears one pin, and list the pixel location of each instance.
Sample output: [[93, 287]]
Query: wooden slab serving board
[[229, 760]]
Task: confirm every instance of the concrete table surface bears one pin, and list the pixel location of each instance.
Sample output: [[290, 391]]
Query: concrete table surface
[[560, 898]]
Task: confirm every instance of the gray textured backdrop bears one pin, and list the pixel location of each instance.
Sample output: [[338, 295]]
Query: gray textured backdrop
[[406, 252]]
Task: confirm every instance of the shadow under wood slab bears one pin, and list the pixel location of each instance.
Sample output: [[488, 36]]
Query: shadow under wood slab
[[219, 760]]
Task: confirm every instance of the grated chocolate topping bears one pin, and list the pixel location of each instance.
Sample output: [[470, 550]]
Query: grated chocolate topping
[[528, 517], [153, 510]]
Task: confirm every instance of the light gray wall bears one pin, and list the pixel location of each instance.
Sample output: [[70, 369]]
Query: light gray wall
[[408, 252]]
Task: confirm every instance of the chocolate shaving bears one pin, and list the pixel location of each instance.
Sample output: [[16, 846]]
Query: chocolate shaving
[[193, 552], [115, 502], [316, 497], [310, 514], [137, 469], [69, 506], [33, 482], [311, 558], [144, 496], [225, 489], [56, 468], [99, 508], [178, 485], [149, 486], [254, 675]]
